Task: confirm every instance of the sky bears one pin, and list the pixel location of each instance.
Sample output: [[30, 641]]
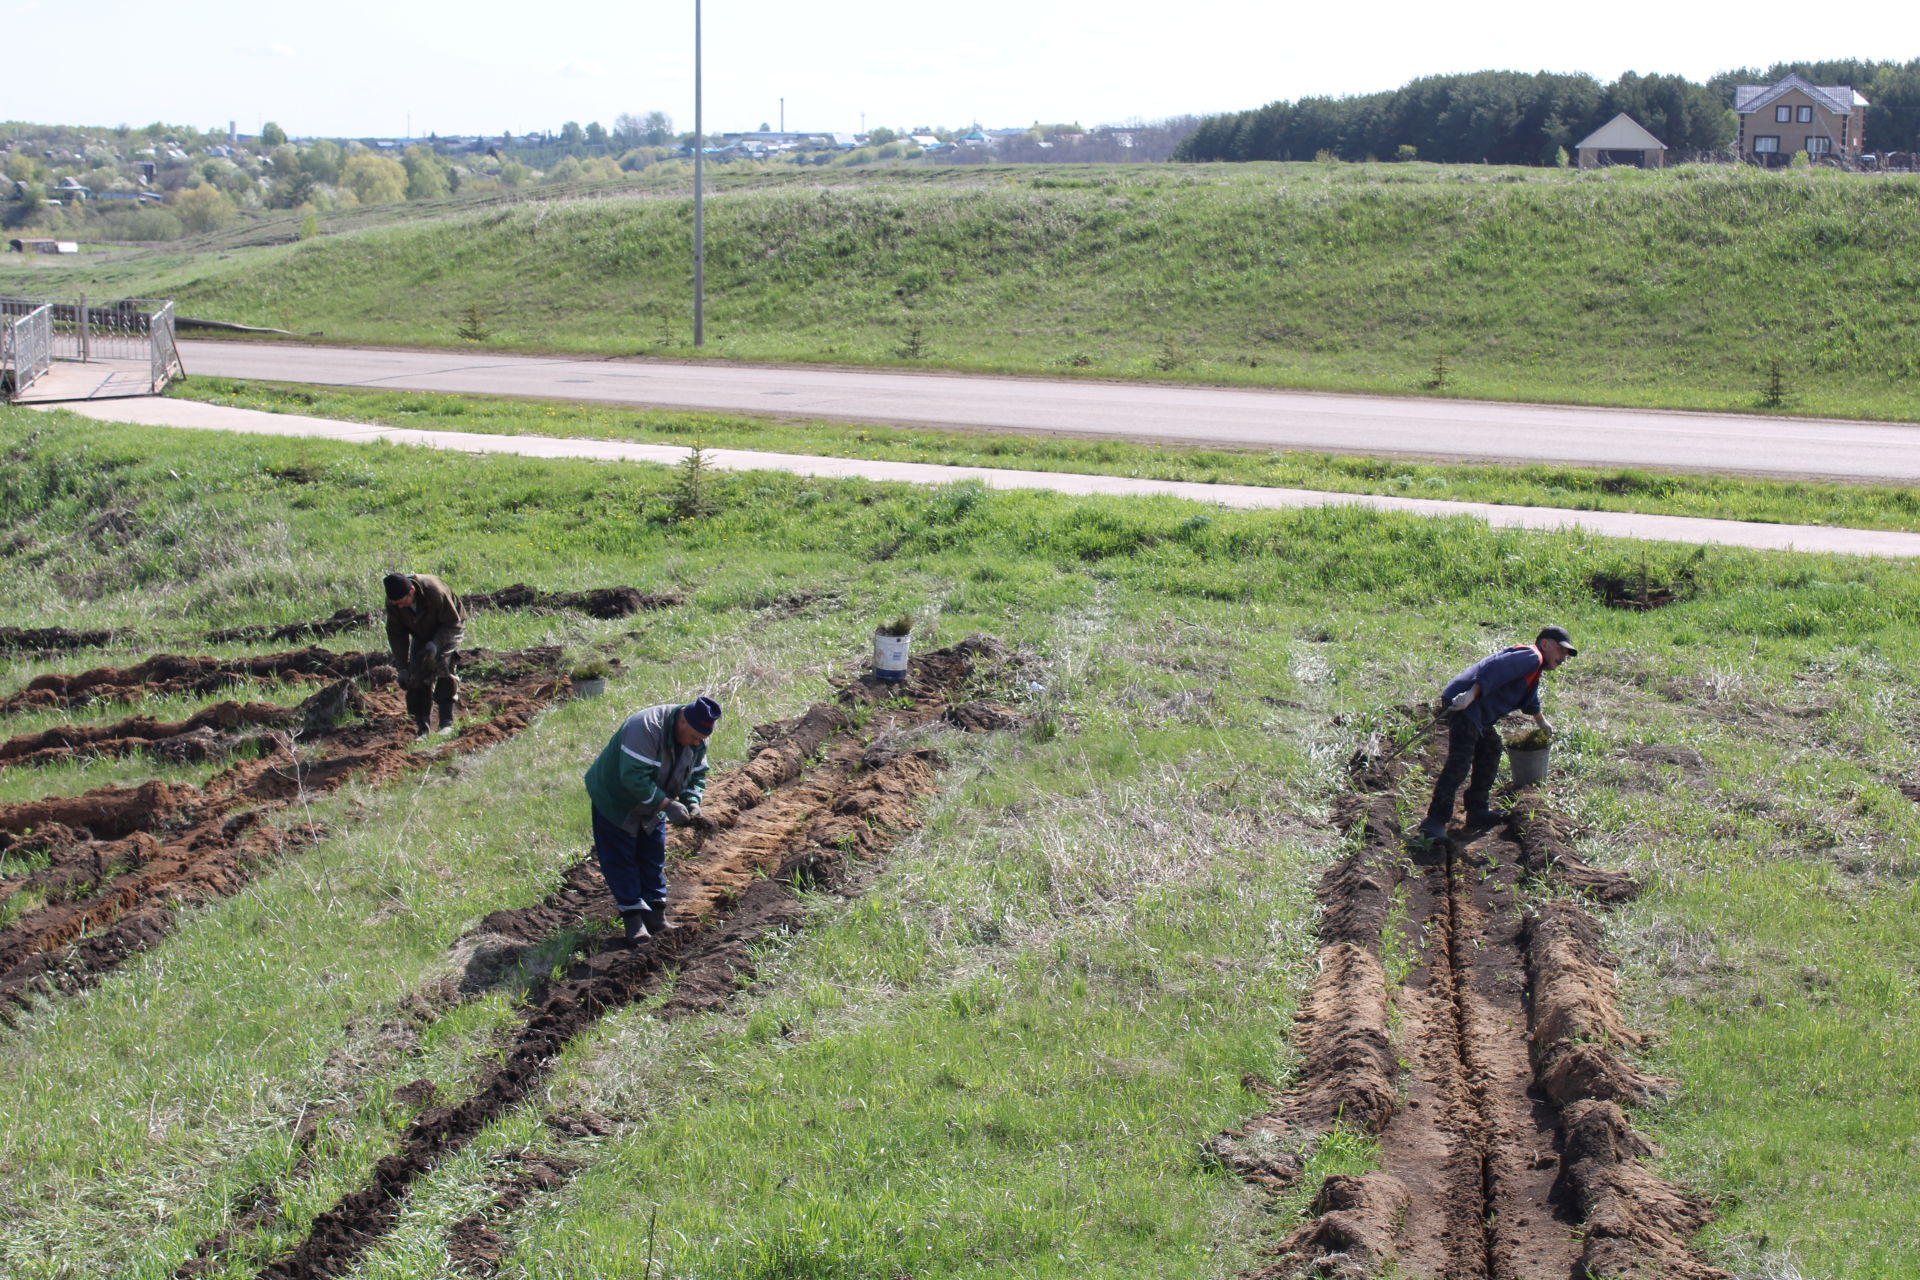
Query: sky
[[357, 68]]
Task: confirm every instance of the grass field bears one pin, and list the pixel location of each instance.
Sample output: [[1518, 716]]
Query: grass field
[[999, 1058], [1688, 288], [1581, 488]]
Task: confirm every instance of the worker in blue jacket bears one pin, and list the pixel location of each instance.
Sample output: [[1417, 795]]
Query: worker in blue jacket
[[652, 772], [1473, 704]]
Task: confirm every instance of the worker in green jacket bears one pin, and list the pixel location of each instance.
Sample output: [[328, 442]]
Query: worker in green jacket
[[652, 772]]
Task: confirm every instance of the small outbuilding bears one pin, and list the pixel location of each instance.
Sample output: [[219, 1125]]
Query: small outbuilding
[[1621, 140]]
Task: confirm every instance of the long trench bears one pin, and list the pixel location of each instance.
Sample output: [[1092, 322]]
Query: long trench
[[1464, 1014], [1472, 1145]]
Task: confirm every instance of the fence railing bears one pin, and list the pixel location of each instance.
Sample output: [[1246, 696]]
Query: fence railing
[[26, 347], [163, 352], [129, 330]]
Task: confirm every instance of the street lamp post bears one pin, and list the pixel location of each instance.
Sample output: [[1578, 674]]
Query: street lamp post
[[699, 210]]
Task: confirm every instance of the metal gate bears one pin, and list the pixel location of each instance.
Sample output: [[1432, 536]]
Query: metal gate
[[26, 346], [133, 333], [163, 353]]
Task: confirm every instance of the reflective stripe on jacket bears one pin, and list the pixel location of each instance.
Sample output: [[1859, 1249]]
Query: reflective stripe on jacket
[[643, 766]]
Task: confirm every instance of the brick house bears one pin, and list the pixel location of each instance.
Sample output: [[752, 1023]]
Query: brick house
[[1776, 120]]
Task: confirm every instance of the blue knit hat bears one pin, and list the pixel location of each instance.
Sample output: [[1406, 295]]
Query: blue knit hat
[[701, 714]]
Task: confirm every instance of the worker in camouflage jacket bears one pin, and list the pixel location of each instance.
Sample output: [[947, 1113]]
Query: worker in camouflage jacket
[[652, 772], [1473, 704], [425, 626]]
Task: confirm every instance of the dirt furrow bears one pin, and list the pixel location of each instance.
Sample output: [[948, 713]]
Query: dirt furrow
[[826, 794], [1504, 1155], [51, 639], [141, 733], [173, 673], [119, 861], [597, 602]]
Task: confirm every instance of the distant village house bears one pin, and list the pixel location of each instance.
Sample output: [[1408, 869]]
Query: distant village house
[[1828, 122], [1621, 141]]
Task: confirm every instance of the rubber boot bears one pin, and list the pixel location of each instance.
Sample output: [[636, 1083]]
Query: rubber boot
[[654, 915], [419, 702], [446, 718], [634, 925], [1433, 830], [1481, 813]]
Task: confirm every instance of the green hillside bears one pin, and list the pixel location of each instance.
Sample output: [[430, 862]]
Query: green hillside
[[1682, 289]]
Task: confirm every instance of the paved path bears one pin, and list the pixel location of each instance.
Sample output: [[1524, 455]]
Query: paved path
[[1736, 533], [1459, 429], [91, 380]]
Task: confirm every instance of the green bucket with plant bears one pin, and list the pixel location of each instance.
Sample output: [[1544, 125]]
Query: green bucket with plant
[[1527, 753], [590, 677]]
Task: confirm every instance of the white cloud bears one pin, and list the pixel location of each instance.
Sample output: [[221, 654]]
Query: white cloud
[[581, 69]]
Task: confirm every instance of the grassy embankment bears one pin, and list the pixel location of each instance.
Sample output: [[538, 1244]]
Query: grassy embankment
[[1581, 488], [997, 1061], [1676, 289]]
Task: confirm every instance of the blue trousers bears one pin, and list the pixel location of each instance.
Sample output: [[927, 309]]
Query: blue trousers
[[635, 865]]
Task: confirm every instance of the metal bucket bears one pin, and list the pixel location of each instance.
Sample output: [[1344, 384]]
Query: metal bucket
[[1528, 766], [890, 656]]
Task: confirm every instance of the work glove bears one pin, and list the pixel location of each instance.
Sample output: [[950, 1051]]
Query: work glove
[[678, 814], [404, 674], [1464, 699], [428, 652]]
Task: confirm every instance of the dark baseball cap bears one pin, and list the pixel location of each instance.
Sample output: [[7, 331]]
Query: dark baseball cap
[[1559, 636]]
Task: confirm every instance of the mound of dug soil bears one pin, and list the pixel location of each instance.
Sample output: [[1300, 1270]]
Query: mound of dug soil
[[172, 673], [208, 726], [51, 639], [319, 629], [117, 862], [822, 797], [599, 602], [1490, 1072]]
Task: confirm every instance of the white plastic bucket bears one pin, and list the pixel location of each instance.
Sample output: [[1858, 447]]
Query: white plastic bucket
[[890, 656], [1528, 766]]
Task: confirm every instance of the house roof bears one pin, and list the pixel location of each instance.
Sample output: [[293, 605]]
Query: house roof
[[1834, 97], [1622, 133]]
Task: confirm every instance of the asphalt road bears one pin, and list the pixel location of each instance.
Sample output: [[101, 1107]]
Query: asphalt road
[[1452, 429]]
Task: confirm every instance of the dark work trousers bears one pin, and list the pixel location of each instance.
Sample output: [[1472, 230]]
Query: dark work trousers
[[635, 866], [1473, 757], [433, 682]]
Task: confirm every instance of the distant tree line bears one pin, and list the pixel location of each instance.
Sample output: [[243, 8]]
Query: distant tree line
[[1511, 117]]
